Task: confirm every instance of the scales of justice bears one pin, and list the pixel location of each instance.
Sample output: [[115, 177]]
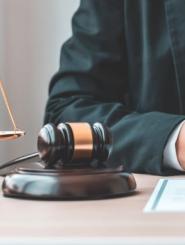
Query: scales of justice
[[9, 134]]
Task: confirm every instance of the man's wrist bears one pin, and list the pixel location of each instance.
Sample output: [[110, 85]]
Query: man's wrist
[[180, 146], [170, 159]]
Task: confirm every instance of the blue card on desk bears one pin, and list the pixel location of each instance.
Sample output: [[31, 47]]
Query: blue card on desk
[[168, 196]]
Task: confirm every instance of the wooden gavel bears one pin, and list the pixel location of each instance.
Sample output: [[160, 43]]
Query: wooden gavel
[[73, 147]]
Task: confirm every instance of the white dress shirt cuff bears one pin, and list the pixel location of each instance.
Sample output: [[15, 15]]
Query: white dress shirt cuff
[[170, 156]]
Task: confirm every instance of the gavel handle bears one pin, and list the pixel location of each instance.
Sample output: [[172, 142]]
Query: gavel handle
[[26, 158]]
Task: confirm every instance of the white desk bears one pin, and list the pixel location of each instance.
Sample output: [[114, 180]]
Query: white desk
[[112, 221]]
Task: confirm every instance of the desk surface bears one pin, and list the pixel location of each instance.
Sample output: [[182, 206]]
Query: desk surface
[[112, 218]]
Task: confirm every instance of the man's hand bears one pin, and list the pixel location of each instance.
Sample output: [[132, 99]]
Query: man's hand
[[180, 146]]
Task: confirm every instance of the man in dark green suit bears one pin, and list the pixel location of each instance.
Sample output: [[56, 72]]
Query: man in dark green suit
[[124, 66]]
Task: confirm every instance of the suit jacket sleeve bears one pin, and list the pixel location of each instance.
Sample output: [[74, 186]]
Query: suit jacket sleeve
[[91, 85]]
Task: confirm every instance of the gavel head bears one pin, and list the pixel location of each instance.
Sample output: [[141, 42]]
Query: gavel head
[[74, 143]]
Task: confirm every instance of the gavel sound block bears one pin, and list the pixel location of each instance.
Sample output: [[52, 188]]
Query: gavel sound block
[[68, 184]]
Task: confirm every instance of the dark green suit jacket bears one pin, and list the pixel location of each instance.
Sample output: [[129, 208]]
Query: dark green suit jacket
[[125, 66]]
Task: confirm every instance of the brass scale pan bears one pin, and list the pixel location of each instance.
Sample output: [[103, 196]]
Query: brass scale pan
[[12, 134]]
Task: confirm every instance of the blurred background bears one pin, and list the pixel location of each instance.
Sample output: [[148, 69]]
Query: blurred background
[[31, 35]]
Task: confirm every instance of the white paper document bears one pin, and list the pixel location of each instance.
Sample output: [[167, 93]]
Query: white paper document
[[168, 196]]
